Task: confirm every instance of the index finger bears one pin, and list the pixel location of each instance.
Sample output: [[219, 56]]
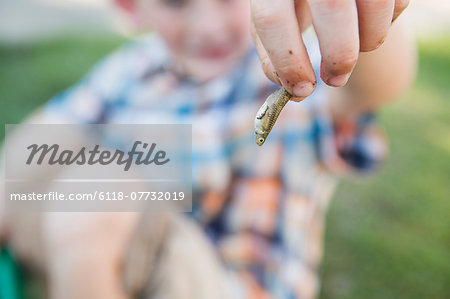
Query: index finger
[[277, 27]]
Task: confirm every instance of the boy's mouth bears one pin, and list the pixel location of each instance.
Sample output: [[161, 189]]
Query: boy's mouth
[[214, 53]]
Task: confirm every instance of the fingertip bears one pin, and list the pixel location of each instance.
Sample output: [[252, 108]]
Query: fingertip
[[297, 77], [338, 81], [303, 89], [368, 45], [336, 72]]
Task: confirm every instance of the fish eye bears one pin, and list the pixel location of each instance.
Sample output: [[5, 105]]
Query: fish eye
[[261, 140]]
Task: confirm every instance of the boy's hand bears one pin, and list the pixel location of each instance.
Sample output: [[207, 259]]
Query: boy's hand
[[344, 28]]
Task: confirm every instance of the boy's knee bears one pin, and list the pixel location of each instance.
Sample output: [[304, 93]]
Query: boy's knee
[[84, 253]]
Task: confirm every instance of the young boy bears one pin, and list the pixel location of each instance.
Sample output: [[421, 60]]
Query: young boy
[[257, 221]]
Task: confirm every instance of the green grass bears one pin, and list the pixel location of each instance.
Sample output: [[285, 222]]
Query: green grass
[[32, 74], [388, 238]]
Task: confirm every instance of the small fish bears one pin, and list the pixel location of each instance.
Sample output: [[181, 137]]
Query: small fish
[[268, 114]]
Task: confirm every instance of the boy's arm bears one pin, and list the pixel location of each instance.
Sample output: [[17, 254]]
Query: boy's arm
[[379, 76]]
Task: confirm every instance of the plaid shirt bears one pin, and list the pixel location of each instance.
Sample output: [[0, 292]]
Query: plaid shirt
[[262, 208]]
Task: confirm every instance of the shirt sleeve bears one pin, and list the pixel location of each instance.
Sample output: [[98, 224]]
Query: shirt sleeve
[[105, 85], [85, 102], [361, 144], [350, 147]]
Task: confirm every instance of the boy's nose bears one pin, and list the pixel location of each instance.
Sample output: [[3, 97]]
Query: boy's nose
[[207, 21]]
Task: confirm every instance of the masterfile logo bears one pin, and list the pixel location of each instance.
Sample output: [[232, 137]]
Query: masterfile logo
[[53, 155], [98, 167]]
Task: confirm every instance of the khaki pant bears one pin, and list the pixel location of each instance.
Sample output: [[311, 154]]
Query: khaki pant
[[166, 256]]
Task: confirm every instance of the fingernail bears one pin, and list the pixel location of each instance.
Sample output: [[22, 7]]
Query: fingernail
[[303, 89], [338, 80]]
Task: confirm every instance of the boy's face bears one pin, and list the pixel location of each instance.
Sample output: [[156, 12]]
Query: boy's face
[[205, 37]]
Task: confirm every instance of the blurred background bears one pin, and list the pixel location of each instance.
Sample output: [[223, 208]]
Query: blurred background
[[388, 237]]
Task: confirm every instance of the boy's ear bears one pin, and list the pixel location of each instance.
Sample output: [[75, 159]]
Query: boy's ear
[[127, 5]]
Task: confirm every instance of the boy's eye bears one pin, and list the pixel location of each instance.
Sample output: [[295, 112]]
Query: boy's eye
[[175, 3]]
